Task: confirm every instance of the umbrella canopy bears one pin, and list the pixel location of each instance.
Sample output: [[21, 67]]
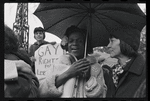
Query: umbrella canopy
[[97, 18]]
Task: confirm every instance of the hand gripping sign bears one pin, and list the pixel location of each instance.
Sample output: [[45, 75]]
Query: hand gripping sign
[[46, 55]]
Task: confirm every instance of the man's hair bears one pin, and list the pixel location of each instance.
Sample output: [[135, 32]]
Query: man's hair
[[11, 41]]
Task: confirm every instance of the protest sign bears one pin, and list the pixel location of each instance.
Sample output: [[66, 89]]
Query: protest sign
[[46, 56]]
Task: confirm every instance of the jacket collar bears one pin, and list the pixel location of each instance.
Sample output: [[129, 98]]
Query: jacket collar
[[36, 43], [136, 65]]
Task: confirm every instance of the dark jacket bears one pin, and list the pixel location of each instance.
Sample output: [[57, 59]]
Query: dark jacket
[[108, 81], [134, 75], [141, 91], [35, 46], [26, 85]]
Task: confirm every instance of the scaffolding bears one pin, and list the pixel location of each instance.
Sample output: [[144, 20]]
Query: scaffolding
[[20, 26]]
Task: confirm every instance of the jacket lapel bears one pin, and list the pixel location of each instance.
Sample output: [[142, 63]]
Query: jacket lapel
[[127, 67], [137, 67], [134, 67], [121, 80]]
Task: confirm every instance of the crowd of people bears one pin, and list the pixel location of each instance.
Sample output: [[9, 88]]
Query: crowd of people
[[83, 76]]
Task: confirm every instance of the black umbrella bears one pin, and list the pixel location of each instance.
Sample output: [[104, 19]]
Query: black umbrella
[[97, 18]]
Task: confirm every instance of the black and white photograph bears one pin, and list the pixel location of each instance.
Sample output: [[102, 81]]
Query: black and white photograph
[[75, 50]]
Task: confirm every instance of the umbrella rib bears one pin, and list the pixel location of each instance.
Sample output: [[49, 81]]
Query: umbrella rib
[[101, 21], [74, 10], [118, 10], [82, 19], [98, 5], [83, 5], [109, 18], [47, 8], [90, 7], [64, 19]]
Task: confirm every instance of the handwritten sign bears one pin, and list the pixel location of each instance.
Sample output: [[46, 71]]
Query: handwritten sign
[[46, 56]]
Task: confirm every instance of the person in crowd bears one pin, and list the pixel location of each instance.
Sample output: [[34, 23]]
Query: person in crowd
[[19, 80], [130, 71], [73, 81], [39, 35]]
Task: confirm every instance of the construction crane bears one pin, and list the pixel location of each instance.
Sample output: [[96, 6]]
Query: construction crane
[[21, 27]]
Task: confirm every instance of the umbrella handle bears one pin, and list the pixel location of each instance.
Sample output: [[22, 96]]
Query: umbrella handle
[[88, 30], [85, 45]]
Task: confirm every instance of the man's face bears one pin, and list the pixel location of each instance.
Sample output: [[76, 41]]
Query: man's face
[[76, 44], [39, 35]]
